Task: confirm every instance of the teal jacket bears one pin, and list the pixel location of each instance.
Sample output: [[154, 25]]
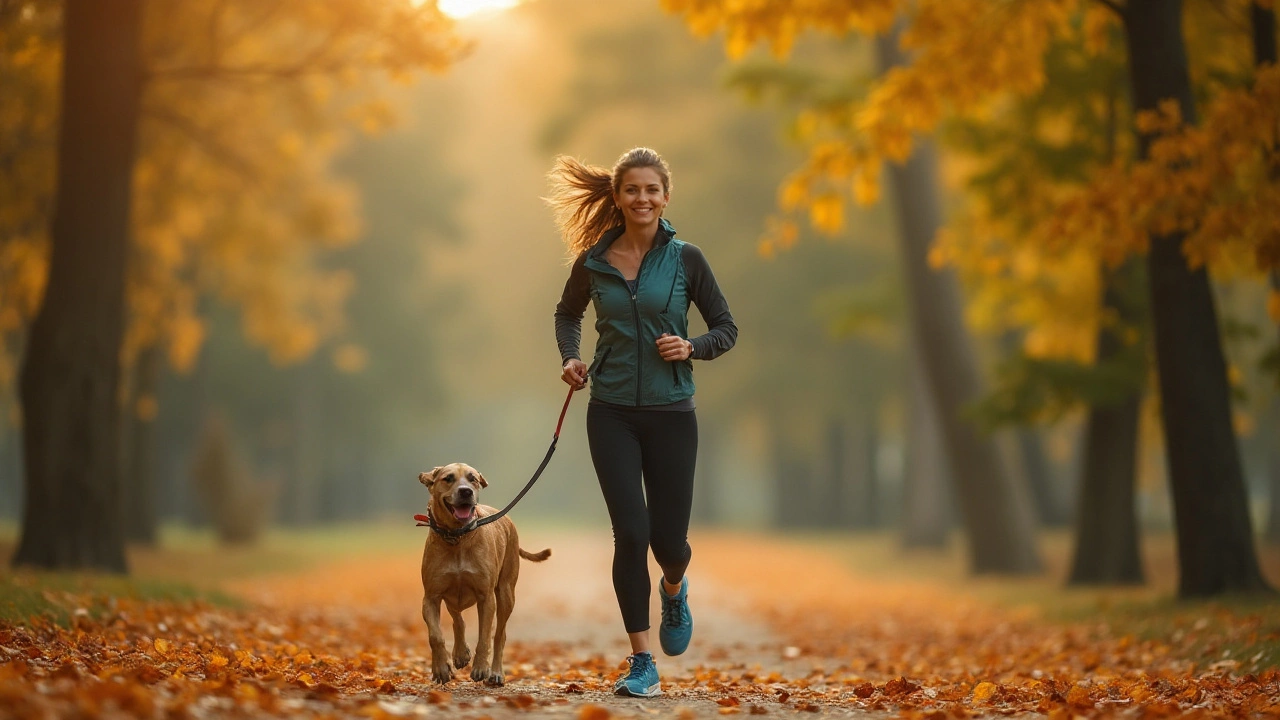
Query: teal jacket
[[627, 369]]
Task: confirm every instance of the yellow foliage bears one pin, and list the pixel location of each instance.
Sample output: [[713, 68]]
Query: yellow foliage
[[1036, 265], [826, 213], [234, 197]]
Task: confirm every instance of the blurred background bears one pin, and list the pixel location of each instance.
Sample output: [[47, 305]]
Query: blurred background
[[343, 274]]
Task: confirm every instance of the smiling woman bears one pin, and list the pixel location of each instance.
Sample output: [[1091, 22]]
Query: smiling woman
[[465, 8]]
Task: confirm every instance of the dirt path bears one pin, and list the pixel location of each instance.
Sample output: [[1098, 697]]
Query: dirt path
[[566, 643]]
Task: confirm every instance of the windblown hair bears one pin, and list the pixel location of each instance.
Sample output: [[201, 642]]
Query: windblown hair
[[582, 195]]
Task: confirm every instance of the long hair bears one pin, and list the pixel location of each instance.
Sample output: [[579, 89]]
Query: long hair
[[582, 195]]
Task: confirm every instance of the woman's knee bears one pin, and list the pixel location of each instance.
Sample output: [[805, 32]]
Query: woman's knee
[[670, 553]]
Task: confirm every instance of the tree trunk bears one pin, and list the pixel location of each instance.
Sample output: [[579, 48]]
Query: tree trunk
[[1049, 505], [997, 513], [138, 499], [1215, 534], [866, 442], [792, 477], [1107, 536], [926, 494], [71, 371], [834, 506], [1273, 476], [1264, 53], [302, 497]]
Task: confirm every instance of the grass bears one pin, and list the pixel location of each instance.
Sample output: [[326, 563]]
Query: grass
[[1243, 629], [186, 565]]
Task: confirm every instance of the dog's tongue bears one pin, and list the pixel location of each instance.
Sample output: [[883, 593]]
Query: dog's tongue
[[464, 513]]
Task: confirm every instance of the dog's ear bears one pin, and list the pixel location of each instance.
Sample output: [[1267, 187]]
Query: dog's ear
[[480, 478], [427, 478]]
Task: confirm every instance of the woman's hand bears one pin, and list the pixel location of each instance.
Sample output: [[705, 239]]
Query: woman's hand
[[574, 373], [674, 348]]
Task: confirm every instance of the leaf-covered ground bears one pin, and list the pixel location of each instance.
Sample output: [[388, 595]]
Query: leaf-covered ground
[[784, 627]]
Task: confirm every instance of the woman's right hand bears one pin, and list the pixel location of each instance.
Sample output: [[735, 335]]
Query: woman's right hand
[[574, 373]]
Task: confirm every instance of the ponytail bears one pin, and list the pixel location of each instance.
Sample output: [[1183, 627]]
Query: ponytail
[[582, 201], [582, 195]]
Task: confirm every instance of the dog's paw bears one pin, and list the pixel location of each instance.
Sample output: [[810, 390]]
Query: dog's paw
[[480, 673], [461, 656], [496, 678], [441, 673]]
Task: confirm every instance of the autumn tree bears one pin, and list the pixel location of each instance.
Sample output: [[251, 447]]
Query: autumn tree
[[1263, 24], [1080, 319], [241, 107], [1180, 199], [71, 366]]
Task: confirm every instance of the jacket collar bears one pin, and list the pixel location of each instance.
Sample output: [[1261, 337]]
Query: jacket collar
[[666, 232]]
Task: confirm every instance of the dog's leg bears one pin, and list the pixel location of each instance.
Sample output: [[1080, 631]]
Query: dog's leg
[[461, 653], [484, 646], [506, 603], [440, 670]]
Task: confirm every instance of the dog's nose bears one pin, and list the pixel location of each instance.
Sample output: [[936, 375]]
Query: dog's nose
[[465, 492]]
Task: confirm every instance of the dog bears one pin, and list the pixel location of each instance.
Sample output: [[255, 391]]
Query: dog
[[478, 568]]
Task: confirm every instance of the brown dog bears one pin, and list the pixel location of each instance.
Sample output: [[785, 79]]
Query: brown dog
[[479, 568]]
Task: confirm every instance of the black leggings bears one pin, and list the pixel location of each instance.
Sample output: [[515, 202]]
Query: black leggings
[[663, 445]]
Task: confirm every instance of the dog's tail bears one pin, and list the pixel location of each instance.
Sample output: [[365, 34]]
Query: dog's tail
[[536, 557]]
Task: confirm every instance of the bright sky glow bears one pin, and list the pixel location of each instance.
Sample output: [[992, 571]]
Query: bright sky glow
[[459, 9]]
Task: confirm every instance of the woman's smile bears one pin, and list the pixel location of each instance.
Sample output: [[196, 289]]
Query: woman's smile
[[641, 195]]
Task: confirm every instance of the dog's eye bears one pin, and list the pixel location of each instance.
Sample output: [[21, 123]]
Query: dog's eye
[[447, 479], [471, 477]]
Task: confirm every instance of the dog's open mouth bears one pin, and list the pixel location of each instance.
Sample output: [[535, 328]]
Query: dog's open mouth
[[462, 513]]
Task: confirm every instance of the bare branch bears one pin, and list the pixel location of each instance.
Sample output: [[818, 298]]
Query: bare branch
[[204, 140]]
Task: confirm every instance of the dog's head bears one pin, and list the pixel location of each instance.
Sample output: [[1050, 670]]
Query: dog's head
[[455, 492]]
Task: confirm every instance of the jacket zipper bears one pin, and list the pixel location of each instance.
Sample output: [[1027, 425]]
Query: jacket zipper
[[635, 314]]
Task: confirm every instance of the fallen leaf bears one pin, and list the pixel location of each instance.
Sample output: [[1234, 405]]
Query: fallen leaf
[[984, 691], [593, 712]]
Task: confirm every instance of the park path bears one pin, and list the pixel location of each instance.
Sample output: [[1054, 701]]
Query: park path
[[565, 639]]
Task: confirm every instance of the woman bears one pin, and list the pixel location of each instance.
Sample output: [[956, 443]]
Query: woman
[[640, 420]]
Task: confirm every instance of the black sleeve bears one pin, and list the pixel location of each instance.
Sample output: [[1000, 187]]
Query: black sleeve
[[573, 302], [722, 332]]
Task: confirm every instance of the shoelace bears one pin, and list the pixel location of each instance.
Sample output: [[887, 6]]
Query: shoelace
[[640, 664], [671, 613]]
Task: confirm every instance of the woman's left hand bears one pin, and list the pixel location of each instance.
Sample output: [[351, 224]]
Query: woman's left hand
[[674, 348]]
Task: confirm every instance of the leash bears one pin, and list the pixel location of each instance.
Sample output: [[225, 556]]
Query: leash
[[452, 536]]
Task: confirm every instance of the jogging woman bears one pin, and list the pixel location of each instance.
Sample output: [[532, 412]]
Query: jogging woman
[[641, 425]]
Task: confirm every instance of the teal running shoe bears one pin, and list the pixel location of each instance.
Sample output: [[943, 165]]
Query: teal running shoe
[[641, 679], [677, 622]]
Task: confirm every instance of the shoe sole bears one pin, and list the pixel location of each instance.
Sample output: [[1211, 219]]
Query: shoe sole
[[651, 691]]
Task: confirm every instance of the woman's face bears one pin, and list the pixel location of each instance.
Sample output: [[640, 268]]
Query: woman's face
[[641, 196]]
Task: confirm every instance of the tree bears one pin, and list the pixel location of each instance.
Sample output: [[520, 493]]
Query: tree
[[1186, 197], [1215, 534], [72, 364], [1263, 23], [236, 95]]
